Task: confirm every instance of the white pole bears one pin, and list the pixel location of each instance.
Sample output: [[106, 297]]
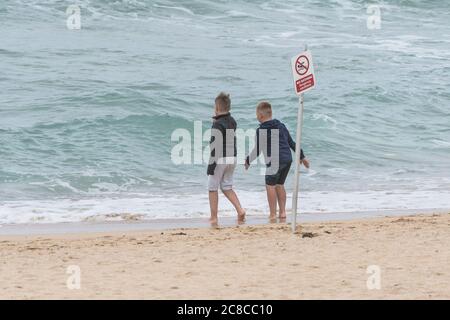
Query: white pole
[[298, 147]]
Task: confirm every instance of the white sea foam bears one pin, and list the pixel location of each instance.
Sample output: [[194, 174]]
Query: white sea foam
[[196, 206], [182, 9], [441, 143]]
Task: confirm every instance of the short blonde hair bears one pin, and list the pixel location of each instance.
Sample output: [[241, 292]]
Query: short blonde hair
[[264, 108], [223, 102]]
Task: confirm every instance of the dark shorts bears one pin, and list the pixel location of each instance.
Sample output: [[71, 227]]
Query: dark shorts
[[280, 176]]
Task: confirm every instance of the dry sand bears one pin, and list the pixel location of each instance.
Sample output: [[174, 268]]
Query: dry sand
[[257, 262]]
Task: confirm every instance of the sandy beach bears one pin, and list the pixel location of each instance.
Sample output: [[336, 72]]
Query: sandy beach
[[324, 260]]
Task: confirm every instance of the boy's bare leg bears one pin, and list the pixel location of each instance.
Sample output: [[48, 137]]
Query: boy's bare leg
[[281, 197], [214, 206], [272, 198], [232, 197]]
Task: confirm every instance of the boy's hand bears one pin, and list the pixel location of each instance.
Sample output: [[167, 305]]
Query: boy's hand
[[305, 163]]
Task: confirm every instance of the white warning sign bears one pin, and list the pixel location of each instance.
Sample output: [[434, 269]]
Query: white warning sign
[[303, 72]]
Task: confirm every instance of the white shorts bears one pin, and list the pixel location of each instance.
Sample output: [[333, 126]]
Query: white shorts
[[223, 177]]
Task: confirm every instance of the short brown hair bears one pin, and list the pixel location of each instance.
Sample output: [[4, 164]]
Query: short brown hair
[[223, 102], [264, 108]]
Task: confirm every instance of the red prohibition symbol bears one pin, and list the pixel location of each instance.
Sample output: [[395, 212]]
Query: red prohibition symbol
[[302, 65]]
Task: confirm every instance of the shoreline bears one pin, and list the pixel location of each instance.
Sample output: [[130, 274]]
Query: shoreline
[[323, 260], [194, 223]]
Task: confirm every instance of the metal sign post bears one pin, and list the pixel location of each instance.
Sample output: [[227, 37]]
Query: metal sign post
[[298, 148], [304, 80]]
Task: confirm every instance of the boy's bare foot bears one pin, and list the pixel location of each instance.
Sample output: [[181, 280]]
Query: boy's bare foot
[[282, 216], [273, 218], [241, 216], [214, 222]]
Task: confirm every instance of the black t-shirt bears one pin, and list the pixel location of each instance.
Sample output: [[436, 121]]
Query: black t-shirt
[[223, 140]]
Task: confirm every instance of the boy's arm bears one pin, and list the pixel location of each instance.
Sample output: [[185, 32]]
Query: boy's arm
[[255, 152], [212, 157]]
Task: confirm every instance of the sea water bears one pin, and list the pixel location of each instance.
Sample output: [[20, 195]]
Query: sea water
[[87, 115]]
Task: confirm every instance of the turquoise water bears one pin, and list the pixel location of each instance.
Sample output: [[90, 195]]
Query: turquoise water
[[86, 116]]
